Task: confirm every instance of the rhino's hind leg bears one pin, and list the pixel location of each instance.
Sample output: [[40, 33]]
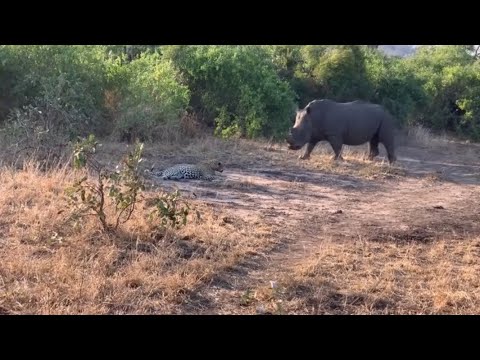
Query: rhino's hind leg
[[390, 152], [388, 141], [373, 147], [308, 151]]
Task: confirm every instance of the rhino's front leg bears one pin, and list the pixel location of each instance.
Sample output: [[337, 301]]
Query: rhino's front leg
[[308, 151]]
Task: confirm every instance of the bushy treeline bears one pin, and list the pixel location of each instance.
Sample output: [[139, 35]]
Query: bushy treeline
[[249, 91]]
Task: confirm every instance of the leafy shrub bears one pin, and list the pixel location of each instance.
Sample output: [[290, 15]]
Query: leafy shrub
[[75, 76], [152, 98], [122, 186], [168, 211], [237, 86], [394, 86], [55, 94], [451, 81]]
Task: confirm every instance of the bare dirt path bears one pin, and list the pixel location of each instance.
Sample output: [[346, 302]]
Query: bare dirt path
[[436, 196]]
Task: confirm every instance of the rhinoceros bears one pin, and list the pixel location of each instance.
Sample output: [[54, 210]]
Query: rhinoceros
[[351, 123]]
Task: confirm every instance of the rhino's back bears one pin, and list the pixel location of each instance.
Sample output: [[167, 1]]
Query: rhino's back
[[356, 121], [348, 113]]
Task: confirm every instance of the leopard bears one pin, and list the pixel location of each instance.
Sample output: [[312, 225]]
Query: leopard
[[202, 171]]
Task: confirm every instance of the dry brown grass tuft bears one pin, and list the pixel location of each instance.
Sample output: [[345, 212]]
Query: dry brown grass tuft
[[423, 137]]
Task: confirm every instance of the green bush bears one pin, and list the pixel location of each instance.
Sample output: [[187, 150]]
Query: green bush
[[237, 87], [74, 75], [341, 74], [152, 97], [130, 52], [71, 79], [294, 64], [450, 77], [394, 86]]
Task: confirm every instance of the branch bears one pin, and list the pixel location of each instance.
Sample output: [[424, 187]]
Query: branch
[[130, 212]]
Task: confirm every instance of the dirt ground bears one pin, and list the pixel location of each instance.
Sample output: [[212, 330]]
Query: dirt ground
[[430, 196]]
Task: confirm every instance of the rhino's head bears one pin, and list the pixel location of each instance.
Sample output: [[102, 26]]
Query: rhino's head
[[301, 131]]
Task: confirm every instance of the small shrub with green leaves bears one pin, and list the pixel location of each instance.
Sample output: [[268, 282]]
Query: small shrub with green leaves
[[122, 187], [126, 185], [169, 211]]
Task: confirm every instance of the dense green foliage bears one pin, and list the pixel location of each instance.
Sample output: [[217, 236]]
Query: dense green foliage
[[250, 91], [238, 86], [151, 96]]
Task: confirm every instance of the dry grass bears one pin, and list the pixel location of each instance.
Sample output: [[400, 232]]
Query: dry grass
[[423, 137], [381, 278]]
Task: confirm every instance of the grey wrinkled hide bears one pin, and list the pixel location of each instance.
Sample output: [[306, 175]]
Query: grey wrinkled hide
[[353, 123]]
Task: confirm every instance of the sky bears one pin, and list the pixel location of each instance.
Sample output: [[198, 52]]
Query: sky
[[400, 50]]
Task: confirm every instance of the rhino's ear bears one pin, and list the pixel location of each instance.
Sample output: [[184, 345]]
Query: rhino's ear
[[307, 109]]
